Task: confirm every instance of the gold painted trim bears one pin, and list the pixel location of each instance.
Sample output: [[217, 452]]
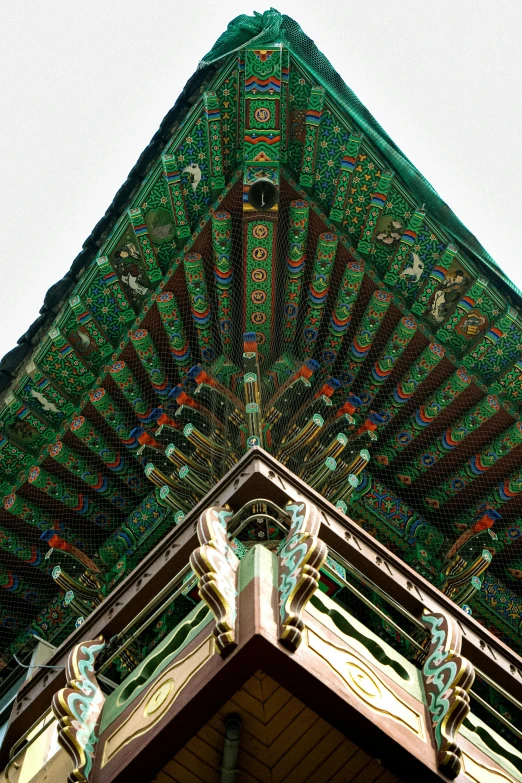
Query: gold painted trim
[[365, 684], [479, 773], [158, 699]]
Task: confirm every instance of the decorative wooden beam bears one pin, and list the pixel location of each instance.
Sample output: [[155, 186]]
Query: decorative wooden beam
[[490, 339], [84, 593], [49, 397], [200, 305], [181, 460], [304, 437], [259, 270], [206, 445], [399, 273], [252, 389], [180, 497], [223, 275], [175, 331], [476, 465], [61, 363], [314, 115], [464, 306], [318, 291], [78, 467], [424, 416], [172, 177], [464, 579], [410, 381], [95, 442], [261, 130], [398, 342], [437, 275], [112, 284], [60, 491], [149, 358], [215, 143], [345, 481], [128, 385], [36, 517], [345, 178], [362, 342], [141, 233], [298, 218], [91, 328], [376, 206], [299, 562], [23, 550], [456, 433], [341, 318]]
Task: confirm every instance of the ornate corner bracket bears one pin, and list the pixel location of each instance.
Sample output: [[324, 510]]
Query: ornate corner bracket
[[300, 559], [216, 565], [447, 678], [78, 707]]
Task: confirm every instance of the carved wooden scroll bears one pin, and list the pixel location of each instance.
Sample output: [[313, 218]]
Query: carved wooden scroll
[[216, 565], [78, 707], [447, 679], [300, 559]]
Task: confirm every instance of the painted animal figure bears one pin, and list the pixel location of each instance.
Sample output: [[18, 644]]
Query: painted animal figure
[[415, 270], [46, 404], [132, 282], [194, 173]]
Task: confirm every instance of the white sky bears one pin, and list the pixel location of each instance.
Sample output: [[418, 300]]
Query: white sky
[[84, 85]]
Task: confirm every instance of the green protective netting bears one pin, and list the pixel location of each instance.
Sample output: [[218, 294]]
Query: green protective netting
[[271, 27]]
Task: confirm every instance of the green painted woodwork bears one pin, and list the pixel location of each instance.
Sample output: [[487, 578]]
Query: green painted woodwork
[[295, 265], [202, 325], [201, 309], [318, 291], [223, 275], [430, 410], [362, 342], [457, 433]]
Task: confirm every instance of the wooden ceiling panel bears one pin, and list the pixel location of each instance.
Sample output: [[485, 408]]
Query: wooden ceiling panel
[[282, 740]]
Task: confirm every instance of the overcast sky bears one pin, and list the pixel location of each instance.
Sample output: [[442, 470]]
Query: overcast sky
[[85, 84]]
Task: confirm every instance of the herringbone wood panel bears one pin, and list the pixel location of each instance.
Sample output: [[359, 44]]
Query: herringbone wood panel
[[282, 741]]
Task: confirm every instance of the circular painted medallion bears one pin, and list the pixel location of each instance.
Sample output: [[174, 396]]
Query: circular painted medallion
[[260, 254], [260, 231], [258, 297], [262, 114], [258, 275]]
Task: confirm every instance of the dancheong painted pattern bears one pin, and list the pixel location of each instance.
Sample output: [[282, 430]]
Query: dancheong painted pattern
[[274, 280]]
